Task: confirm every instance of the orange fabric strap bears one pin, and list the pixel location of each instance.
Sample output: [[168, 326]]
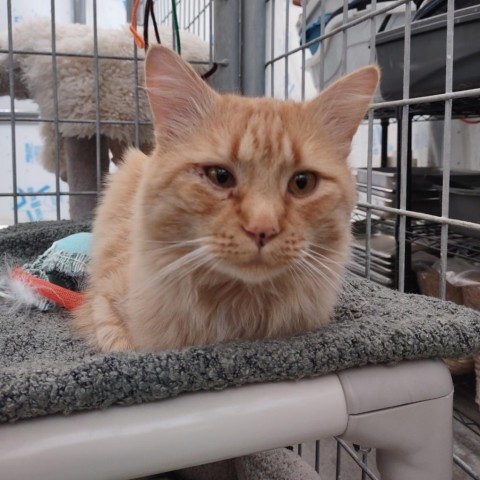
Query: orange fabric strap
[[59, 295], [133, 26]]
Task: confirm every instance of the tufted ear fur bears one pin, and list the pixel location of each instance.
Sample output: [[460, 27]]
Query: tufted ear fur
[[179, 98], [343, 105]]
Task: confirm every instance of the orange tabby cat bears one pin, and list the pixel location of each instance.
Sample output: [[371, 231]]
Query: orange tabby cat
[[238, 224]]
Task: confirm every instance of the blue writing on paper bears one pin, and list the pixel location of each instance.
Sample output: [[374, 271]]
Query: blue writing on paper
[[31, 204], [32, 152]]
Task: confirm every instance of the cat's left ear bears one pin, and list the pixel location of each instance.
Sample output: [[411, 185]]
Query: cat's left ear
[[342, 106], [179, 98]]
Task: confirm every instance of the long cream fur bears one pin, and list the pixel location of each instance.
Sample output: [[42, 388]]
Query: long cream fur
[[175, 262]]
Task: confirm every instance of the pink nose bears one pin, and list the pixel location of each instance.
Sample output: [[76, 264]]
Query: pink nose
[[261, 235]]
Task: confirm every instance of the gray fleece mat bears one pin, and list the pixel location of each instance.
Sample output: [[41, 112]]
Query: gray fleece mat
[[43, 370]]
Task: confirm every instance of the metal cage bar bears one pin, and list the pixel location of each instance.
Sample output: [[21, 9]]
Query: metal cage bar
[[409, 219], [55, 109]]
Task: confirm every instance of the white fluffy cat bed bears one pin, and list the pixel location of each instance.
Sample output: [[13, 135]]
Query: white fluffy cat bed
[[76, 92]]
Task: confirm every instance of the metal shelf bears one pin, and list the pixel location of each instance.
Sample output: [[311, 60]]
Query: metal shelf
[[468, 107], [427, 236]]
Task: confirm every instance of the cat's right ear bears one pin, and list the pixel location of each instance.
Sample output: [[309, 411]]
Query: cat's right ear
[[341, 107], [179, 98]]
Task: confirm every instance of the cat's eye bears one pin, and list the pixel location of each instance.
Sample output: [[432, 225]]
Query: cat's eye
[[220, 176], [302, 183]]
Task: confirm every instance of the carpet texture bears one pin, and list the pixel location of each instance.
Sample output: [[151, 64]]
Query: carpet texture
[[44, 370], [279, 464]]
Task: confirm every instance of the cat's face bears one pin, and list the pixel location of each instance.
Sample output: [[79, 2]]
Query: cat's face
[[256, 186]]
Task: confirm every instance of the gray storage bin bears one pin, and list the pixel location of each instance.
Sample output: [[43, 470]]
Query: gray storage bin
[[428, 54]]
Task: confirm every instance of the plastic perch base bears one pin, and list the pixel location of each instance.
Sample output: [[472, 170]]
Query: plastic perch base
[[408, 421], [405, 411]]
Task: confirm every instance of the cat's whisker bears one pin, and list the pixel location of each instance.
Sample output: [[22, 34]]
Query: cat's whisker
[[320, 258], [203, 257], [192, 265], [350, 289], [327, 249], [175, 281], [273, 288], [306, 275], [320, 272], [326, 257], [319, 255], [303, 273], [214, 262], [309, 275], [321, 262], [163, 245], [348, 261], [176, 265], [306, 270], [183, 274], [184, 242], [293, 269]]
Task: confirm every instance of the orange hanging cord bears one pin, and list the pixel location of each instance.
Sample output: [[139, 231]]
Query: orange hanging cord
[[143, 42], [133, 26], [59, 295]]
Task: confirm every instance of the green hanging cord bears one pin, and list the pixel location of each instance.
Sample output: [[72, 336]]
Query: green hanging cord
[[178, 47]]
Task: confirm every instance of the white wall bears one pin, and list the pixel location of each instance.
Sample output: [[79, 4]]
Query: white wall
[[110, 13], [31, 177]]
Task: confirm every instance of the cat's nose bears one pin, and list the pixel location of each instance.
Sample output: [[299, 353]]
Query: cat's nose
[[261, 234]]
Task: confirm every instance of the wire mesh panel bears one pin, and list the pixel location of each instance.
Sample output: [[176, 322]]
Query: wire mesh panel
[[416, 153], [72, 97]]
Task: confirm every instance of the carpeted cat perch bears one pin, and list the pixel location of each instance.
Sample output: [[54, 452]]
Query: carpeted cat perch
[[75, 89], [44, 370]]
